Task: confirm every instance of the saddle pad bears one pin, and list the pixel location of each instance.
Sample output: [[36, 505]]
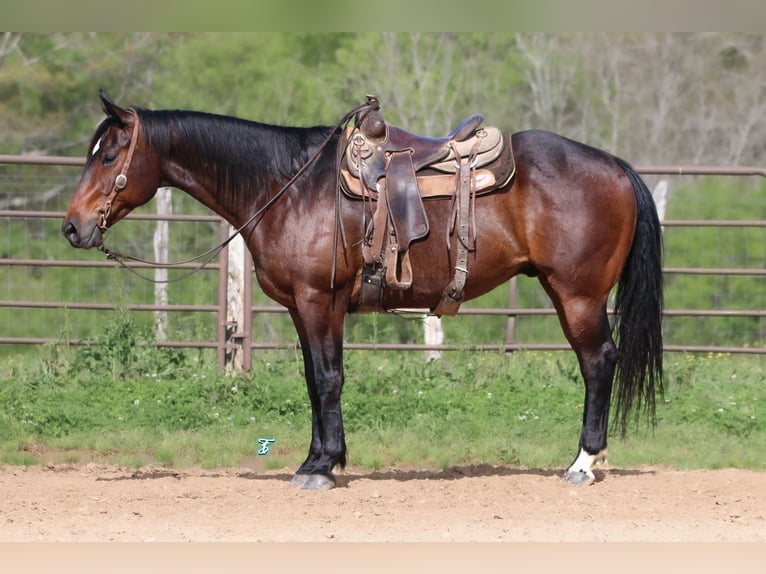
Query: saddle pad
[[433, 184], [373, 153]]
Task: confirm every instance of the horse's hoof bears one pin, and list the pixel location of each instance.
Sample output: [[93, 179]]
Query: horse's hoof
[[318, 482], [579, 478], [299, 480]]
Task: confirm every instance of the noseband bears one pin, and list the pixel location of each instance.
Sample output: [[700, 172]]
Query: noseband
[[122, 178]]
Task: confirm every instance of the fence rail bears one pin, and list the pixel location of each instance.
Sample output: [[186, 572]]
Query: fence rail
[[230, 338]]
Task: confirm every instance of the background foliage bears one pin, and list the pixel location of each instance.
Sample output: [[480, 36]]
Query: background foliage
[[684, 97]]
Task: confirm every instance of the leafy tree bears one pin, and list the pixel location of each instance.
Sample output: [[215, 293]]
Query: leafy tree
[[428, 82], [268, 77], [49, 83]]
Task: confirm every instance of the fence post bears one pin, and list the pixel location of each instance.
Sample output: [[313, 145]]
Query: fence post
[[660, 196], [236, 305], [434, 335], [161, 240], [247, 310], [510, 326], [223, 274]]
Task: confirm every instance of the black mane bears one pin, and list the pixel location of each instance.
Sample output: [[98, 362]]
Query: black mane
[[245, 154]]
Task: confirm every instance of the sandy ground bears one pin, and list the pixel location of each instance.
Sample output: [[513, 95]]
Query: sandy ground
[[97, 503]]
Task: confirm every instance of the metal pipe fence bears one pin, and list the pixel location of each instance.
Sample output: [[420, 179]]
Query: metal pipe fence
[[227, 338]]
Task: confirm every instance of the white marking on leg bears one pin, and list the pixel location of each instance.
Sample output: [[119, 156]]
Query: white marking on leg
[[584, 463]]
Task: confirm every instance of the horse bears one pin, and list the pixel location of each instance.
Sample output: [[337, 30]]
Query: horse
[[577, 218]]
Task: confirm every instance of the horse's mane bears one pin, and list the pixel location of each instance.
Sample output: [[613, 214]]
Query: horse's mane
[[244, 153]]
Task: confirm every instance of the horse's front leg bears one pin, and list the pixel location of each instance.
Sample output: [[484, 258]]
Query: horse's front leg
[[320, 331], [315, 448]]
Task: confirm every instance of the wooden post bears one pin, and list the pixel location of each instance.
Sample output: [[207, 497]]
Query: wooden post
[[510, 327], [434, 335], [236, 305], [161, 239], [660, 196], [223, 330]]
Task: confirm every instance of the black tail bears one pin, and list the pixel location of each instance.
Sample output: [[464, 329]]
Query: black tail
[[638, 313]]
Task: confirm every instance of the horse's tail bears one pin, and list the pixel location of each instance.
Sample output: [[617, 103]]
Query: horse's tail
[[638, 313]]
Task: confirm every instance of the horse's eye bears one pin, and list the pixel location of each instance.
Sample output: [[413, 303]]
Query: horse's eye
[[108, 158]]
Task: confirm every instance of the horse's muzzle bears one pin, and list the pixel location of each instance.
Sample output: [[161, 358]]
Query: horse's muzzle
[[85, 237]]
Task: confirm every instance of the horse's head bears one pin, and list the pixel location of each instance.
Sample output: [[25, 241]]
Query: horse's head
[[119, 176]]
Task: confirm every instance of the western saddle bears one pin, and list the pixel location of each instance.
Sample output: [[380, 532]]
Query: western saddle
[[394, 170]]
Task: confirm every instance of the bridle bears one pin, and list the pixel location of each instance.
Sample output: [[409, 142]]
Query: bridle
[[121, 181]]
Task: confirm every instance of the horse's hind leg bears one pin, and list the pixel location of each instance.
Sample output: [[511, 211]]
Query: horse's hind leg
[[586, 326]]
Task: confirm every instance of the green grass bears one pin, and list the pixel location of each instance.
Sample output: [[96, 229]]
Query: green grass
[[126, 402]]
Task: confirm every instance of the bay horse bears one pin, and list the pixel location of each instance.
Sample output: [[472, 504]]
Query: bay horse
[[576, 217]]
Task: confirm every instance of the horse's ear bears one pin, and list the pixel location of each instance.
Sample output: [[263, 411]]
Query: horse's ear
[[112, 109]]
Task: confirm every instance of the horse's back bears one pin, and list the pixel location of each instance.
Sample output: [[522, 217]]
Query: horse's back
[[555, 159]]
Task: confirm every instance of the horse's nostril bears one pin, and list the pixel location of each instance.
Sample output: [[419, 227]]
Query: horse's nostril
[[69, 230]]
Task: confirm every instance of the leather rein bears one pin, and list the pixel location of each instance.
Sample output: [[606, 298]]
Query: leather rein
[[121, 181]]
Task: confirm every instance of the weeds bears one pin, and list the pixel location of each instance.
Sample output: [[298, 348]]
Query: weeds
[[126, 401]]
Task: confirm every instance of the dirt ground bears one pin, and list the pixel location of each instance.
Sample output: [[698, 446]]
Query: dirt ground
[[95, 502]]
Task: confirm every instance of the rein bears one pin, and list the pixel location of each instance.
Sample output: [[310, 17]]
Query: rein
[[121, 182]]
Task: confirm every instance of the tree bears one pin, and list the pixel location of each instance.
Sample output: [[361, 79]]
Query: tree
[[267, 77], [49, 84], [427, 82]]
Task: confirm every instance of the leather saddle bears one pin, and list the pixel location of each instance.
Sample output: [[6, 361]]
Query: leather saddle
[[434, 160], [394, 170]]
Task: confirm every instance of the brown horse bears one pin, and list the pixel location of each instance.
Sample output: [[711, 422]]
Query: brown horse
[[575, 217]]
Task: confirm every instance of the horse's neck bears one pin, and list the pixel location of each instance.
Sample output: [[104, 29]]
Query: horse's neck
[[205, 182], [236, 190], [200, 189]]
